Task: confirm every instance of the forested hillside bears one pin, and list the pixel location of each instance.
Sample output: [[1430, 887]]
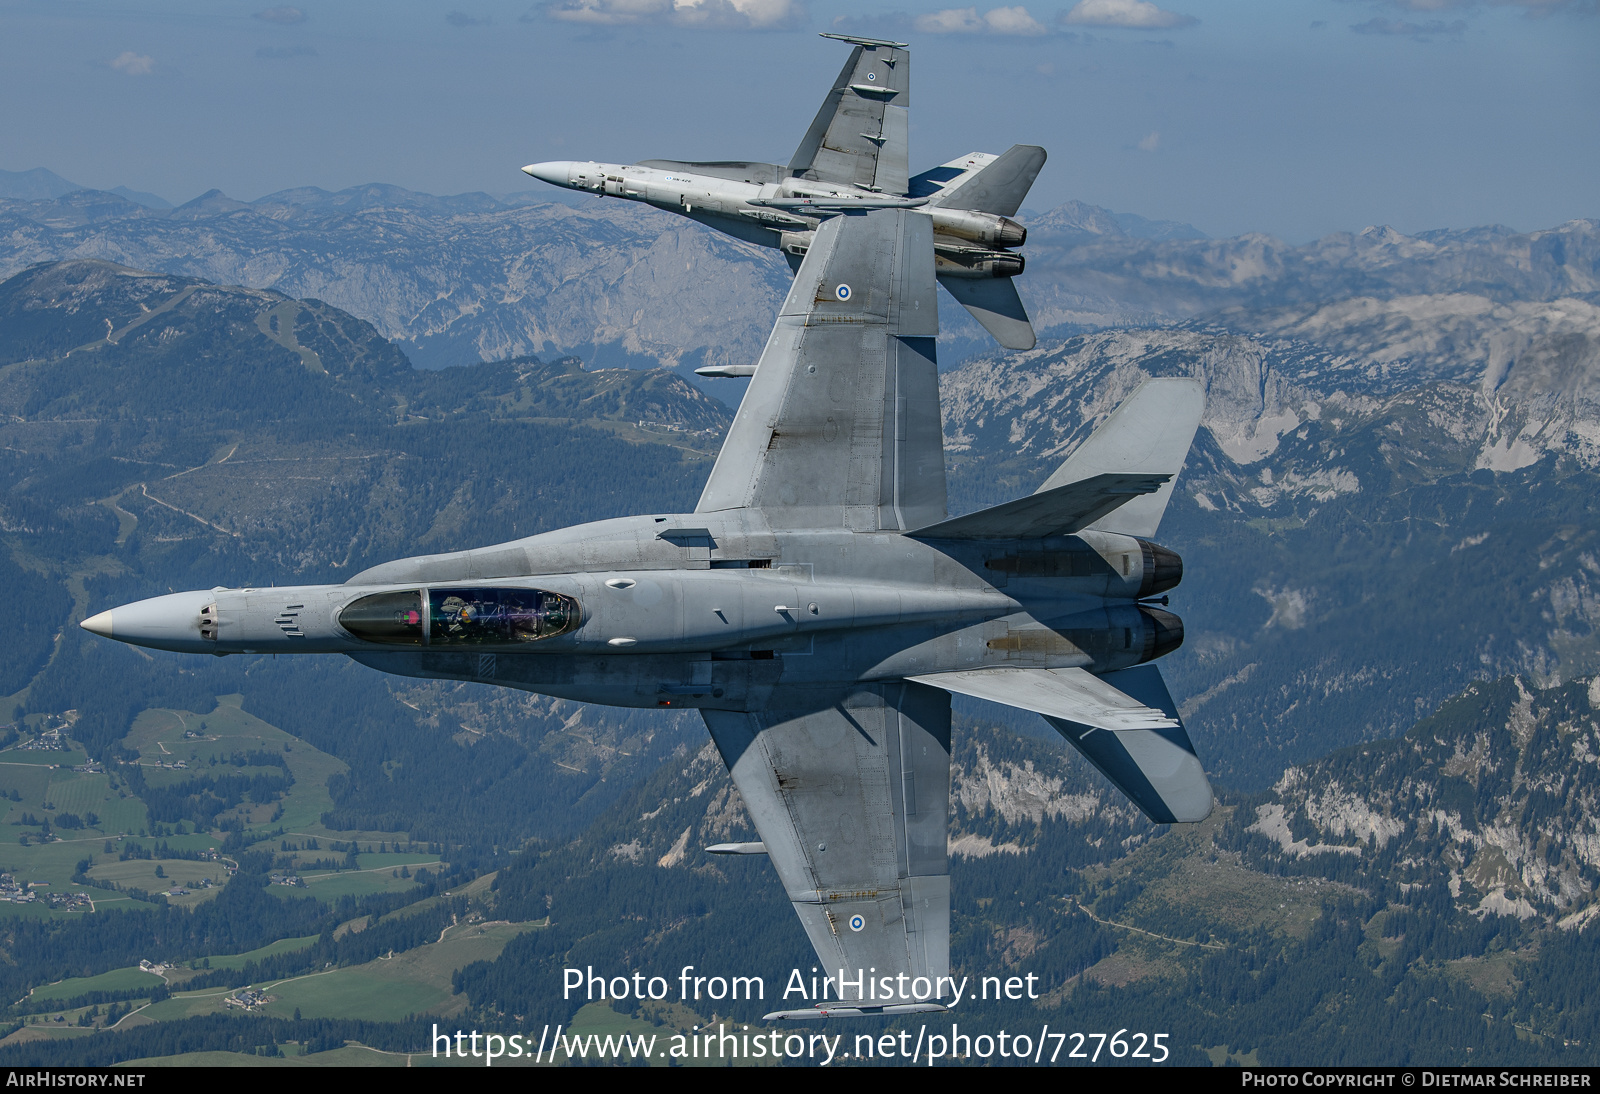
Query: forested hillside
[[1388, 672]]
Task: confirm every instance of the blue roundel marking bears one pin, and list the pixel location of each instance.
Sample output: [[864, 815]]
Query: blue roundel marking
[[872, 76], [857, 923], [842, 292]]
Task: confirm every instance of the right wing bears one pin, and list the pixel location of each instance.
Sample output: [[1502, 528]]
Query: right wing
[[860, 136], [851, 802]]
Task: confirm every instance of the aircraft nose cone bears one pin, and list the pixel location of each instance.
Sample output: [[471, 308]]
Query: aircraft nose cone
[[169, 622], [555, 172]]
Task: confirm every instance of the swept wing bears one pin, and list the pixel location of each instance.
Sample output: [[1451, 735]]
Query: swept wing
[[840, 426], [852, 802], [860, 135]]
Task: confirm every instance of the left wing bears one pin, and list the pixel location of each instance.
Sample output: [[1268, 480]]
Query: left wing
[[851, 802], [840, 426]]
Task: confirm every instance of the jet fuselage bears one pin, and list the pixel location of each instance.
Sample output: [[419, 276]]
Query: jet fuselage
[[739, 204], [708, 610]]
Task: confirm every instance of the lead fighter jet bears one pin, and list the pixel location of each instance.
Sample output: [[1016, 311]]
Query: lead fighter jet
[[819, 608], [853, 157]]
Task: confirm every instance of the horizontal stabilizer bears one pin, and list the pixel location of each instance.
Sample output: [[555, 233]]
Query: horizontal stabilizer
[[1149, 434], [1071, 694], [994, 303], [1057, 512], [1156, 768], [999, 187]]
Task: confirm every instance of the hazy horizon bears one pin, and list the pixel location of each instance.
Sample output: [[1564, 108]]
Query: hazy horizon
[[1294, 118]]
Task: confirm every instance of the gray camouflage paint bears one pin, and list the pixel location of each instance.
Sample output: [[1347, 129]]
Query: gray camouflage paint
[[817, 575]]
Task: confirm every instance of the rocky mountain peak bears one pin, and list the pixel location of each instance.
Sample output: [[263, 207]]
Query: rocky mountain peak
[[1496, 797]]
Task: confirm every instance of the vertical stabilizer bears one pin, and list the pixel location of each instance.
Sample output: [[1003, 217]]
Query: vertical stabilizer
[[1156, 767], [1001, 186], [994, 303], [997, 189], [1150, 433]]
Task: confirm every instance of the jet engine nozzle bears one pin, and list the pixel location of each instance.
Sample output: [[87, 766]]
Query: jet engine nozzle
[[1010, 233], [979, 264], [1163, 569], [1163, 633], [987, 228]]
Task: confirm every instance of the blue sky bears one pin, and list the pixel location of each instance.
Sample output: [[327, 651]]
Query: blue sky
[[1289, 117]]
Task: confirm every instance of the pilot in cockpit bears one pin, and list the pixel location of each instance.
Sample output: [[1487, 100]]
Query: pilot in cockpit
[[457, 615]]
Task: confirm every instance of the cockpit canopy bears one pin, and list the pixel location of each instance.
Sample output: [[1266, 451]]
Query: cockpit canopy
[[460, 617]]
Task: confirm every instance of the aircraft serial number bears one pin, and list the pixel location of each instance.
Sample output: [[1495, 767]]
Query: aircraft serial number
[[1121, 1044]]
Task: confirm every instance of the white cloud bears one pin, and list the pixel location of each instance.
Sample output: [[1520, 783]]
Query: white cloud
[[950, 21], [1532, 9], [1405, 29], [1538, 9], [737, 14], [1136, 14], [133, 64], [282, 15], [1013, 21], [1150, 143], [891, 25]]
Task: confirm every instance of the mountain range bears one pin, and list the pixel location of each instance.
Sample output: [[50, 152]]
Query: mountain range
[[478, 277], [1388, 525]]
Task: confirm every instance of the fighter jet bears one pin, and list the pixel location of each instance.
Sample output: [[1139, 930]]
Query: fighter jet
[[819, 608], [853, 157]]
